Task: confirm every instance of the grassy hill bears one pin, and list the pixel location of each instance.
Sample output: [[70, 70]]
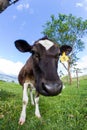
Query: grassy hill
[[67, 111]]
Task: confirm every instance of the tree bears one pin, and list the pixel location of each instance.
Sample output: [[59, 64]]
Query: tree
[[6, 3], [67, 29]]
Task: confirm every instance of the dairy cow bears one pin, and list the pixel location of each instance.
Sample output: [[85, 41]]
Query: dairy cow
[[40, 71]]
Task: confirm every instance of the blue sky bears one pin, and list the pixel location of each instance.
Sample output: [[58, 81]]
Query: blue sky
[[24, 20]]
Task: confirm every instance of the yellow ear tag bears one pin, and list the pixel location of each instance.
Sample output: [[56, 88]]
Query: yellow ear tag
[[64, 57]]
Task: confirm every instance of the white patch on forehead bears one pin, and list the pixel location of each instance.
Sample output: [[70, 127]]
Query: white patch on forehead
[[46, 43]]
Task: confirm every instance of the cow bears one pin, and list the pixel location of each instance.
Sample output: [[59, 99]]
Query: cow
[[40, 71]]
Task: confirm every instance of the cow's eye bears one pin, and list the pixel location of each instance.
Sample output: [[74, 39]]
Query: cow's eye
[[36, 55]]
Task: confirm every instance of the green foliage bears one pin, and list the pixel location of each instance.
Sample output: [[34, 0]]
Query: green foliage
[[67, 111], [67, 30]]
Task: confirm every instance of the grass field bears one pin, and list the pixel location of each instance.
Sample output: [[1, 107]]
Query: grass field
[[67, 111]]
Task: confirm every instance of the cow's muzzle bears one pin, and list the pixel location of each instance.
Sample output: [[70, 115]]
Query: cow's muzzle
[[51, 89]]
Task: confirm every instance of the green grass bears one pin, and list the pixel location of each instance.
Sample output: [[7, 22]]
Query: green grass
[[67, 111]]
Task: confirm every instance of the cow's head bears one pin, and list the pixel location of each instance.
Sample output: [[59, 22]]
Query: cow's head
[[45, 55]]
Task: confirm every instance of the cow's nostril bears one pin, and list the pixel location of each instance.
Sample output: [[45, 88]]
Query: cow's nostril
[[52, 89], [44, 87]]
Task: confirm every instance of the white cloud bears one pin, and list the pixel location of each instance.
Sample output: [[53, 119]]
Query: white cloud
[[82, 63], [23, 6], [82, 4], [79, 4], [10, 67]]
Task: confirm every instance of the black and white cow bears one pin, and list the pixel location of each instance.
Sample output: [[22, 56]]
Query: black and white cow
[[40, 71]]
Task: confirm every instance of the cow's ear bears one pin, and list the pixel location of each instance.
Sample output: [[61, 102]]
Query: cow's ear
[[23, 46], [65, 48]]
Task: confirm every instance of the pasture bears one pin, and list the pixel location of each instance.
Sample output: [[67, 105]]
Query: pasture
[[67, 111]]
